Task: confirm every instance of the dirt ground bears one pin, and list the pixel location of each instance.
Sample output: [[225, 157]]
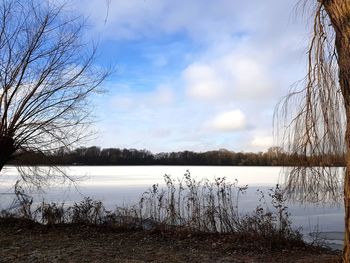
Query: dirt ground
[[32, 242]]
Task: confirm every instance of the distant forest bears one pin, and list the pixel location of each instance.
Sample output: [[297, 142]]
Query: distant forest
[[274, 156]]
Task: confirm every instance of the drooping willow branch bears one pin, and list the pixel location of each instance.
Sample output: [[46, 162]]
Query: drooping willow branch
[[311, 121]]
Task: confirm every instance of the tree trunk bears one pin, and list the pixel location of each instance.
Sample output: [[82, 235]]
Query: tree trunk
[[344, 81], [339, 14], [6, 150], [346, 249]]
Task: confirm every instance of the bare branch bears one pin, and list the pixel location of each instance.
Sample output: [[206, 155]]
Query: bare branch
[[47, 74]]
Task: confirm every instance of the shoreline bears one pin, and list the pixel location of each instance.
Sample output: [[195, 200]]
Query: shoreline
[[23, 241]]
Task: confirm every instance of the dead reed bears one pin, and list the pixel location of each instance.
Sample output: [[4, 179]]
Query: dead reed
[[186, 203]]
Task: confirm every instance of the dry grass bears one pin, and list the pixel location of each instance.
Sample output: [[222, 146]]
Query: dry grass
[[188, 219], [183, 205], [26, 241]]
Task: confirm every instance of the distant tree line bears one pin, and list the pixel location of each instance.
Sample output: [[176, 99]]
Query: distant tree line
[[274, 156]]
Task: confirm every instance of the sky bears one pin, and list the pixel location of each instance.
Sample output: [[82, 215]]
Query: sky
[[193, 75]]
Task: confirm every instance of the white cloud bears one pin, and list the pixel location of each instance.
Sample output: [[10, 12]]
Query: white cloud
[[203, 82], [262, 141], [248, 76], [210, 21], [239, 55], [228, 121], [234, 76], [135, 19]]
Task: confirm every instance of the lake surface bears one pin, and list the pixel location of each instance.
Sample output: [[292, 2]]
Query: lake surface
[[123, 185]]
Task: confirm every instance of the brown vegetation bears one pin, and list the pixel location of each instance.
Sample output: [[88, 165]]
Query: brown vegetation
[[188, 220], [23, 241]]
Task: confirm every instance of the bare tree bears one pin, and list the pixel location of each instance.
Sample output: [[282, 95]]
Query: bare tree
[[46, 76], [317, 118]]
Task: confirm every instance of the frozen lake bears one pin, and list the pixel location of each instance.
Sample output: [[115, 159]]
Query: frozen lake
[[118, 185]]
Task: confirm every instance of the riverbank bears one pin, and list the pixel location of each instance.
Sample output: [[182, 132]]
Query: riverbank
[[26, 241]]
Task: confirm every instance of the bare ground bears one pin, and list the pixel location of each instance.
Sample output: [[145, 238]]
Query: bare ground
[[22, 241]]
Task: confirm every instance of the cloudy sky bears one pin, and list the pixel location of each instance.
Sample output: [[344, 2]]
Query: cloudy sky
[[195, 74]]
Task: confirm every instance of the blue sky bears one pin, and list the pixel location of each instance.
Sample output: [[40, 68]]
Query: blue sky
[[194, 75]]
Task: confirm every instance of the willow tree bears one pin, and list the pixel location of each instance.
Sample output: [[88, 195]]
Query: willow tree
[[318, 116], [46, 76]]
